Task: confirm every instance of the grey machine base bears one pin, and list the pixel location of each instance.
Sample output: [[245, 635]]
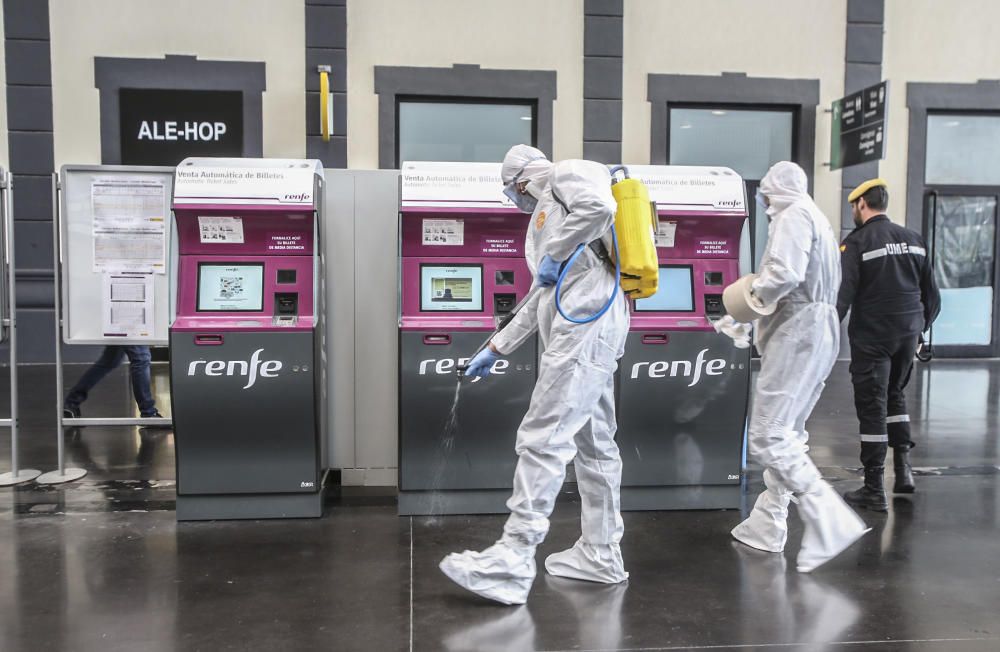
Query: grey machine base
[[634, 499], [250, 506], [478, 501], [715, 496]]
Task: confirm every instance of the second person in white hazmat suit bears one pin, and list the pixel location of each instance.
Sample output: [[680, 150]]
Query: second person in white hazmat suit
[[799, 342], [572, 411]]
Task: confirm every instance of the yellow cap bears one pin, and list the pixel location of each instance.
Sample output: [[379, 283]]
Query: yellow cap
[[865, 187]]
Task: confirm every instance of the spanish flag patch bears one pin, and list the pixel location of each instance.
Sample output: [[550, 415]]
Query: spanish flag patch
[[843, 248]]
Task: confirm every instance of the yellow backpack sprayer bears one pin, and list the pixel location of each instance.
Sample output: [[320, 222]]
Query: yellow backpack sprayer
[[637, 270], [635, 226]]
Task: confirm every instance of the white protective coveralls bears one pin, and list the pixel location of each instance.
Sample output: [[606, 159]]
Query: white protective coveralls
[[572, 410], [800, 271]]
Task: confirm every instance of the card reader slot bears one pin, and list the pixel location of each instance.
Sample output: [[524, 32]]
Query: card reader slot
[[655, 338], [437, 340], [207, 340]]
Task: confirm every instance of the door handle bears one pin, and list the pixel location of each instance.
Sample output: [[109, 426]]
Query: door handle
[[655, 338], [437, 340], [207, 340]]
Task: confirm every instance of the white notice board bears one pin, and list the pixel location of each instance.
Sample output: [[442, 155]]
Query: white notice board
[[114, 248]]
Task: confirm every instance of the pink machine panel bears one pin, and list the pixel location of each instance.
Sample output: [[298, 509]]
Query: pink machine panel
[[277, 243], [486, 270], [709, 244]]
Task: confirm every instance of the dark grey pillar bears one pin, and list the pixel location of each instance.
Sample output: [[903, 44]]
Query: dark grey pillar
[[863, 59], [29, 133], [602, 80], [863, 68], [326, 45]]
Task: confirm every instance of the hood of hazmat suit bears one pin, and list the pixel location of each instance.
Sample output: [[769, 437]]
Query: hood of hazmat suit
[[800, 275], [571, 417]]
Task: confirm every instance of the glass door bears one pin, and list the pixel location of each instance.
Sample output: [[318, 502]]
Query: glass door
[[961, 187], [962, 235]]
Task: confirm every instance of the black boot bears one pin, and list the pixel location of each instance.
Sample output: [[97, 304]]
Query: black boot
[[904, 472], [872, 494]]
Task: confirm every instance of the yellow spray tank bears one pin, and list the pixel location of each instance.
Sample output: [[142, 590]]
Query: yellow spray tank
[[635, 225]]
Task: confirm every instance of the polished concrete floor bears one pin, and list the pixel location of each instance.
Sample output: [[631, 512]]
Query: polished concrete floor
[[101, 564]]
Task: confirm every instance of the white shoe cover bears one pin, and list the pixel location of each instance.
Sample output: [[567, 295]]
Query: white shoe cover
[[589, 562], [502, 573], [767, 526], [830, 526]]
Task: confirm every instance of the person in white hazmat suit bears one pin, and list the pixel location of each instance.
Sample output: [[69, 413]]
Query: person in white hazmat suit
[[799, 342], [572, 412]]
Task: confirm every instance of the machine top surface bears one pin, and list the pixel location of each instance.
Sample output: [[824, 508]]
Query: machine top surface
[[241, 182]]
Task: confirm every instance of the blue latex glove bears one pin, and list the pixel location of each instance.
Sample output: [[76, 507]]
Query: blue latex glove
[[548, 271], [481, 365]]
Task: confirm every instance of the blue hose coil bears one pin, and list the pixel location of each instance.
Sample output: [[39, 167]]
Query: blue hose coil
[[614, 294]]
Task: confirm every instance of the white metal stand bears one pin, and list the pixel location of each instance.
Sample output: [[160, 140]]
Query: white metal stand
[[15, 475], [61, 474]]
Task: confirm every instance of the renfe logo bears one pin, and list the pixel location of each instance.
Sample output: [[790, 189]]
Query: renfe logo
[[683, 368], [446, 366], [251, 369]]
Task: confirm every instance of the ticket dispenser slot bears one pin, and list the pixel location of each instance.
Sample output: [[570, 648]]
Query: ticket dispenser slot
[[286, 303], [713, 306], [504, 303]]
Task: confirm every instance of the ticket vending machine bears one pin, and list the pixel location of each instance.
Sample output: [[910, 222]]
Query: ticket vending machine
[[683, 388], [461, 270], [247, 345]]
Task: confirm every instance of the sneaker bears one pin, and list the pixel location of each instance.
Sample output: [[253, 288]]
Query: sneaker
[[71, 412]]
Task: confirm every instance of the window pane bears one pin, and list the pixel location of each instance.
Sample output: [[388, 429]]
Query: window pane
[[963, 150], [749, 142], [439, 131], [964, 236]]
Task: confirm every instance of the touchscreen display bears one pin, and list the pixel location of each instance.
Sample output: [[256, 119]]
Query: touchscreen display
[[451, 288], [675, 293], [234, 287]]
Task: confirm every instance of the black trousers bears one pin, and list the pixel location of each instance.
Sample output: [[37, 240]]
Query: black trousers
[[880, 372]]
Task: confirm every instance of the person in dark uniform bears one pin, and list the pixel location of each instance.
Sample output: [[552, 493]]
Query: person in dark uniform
[[888, 285]]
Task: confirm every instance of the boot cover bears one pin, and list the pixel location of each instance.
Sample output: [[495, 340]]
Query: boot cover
[[904, 472], [589, 562], [830, 526], [767, 526], [502, 573]]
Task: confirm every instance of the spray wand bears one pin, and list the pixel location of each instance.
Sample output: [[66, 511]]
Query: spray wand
[[462, 368]]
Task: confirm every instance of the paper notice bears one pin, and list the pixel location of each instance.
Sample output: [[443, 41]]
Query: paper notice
[[219, 229], [128, 305], [444, 232], [129, 224], [666, 234]]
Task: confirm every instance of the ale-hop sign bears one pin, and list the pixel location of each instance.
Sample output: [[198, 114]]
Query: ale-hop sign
[[163, 127]]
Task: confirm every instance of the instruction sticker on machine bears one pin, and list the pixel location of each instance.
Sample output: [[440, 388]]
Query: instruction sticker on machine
[[129, 218], [128, 305], [666, 234], [220, 229], [444, 232]]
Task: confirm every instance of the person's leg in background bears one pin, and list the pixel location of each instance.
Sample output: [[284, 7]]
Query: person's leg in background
[[110, 358], [138, 360], [897, 419], [870, 368]]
